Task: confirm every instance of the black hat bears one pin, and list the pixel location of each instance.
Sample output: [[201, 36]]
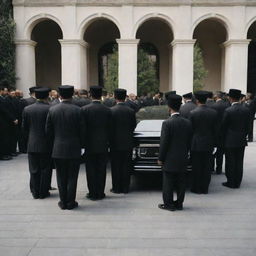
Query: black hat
[[32, 89], [42, 93], [210, 95], [120, 94], [188, 95], [174, 101], [234, 93], [66, 91], [167, 94], [96, 91], [201, 95]]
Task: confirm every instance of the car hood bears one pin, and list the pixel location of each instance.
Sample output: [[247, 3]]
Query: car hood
[[148, 129]]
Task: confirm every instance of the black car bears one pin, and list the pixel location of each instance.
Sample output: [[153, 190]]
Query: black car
[[147, 142]]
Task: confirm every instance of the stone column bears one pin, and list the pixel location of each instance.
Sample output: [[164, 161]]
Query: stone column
[[25, 65], [182, 65], [236, 57], [127, 64], [74, 63]]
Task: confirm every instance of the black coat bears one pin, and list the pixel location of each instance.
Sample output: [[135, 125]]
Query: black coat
[[33, 125], [175, 143], [81, 101], [235, 126], [204, 124], [122, 127], [30, 100], [186, 108], [65, 127], [97, 119]]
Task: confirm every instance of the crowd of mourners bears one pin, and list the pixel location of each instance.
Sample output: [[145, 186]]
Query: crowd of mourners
[[57, 124]]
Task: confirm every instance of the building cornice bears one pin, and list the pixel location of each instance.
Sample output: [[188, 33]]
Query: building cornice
[[41, 3]]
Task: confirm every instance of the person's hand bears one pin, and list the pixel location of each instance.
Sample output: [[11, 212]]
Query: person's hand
[[16, 121], [159, 162]]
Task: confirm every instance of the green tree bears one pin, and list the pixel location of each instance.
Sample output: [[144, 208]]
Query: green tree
[[111, 76], [7, 46], [200, 72], [147, 81]]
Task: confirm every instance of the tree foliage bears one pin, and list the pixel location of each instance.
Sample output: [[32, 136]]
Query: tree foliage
[[200, 72], [147, 81], [111, 77], [7, 46]]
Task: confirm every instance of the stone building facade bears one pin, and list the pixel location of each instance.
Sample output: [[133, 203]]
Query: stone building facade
[[58, 41]]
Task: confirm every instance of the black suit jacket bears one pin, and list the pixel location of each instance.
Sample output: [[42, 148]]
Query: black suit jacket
[[97, 119], [187, 108], [64, 126], [235, 126], [33, 125], [175, 143], [204, 124], [122, 127], [30, 100]]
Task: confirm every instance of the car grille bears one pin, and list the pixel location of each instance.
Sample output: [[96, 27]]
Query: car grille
[[148, 151]]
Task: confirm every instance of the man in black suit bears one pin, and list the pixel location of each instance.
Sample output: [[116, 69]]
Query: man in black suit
[[174, 146], [7, 122], [97, 119], [122, 128], [220, 106], [204, 120], [38, 145], [32, 98], [235, 127], [188, 106], [65, 128]]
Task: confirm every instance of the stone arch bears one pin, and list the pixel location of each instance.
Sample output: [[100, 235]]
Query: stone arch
[[90, 19], [220, 18], [32, 22], [149, 16], [248, 26]]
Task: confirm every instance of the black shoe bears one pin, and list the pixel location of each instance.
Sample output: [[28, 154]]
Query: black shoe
[[114, 191], [93, 198], [14, 154], [226, 184], [165, 207], [101, 197], [52, 188], [45, 196], [178, 206], [72, 205], [5, 158], [61, 205], [195, 191], [35, 196]]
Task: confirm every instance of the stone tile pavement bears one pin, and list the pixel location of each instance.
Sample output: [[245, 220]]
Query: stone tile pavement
[[222, 223]]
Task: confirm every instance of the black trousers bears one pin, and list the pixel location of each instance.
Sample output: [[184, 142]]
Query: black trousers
[[250, 132], [120, 170], [234, 166], [219, 159], [67, 173], [201, 171], [174, 181], [39, 168], [96, 165]]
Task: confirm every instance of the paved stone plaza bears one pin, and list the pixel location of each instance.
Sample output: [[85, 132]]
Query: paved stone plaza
[[221, 223]]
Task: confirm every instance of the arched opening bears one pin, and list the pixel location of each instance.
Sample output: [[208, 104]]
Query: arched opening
[[251, 71], [210, 34], [47, 53], [101, 36], [155, 37]]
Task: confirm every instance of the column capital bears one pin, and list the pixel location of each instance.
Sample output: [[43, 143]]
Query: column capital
[[73, 42], [182, 42], [25, 42], [244, 42], [128, 41]]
